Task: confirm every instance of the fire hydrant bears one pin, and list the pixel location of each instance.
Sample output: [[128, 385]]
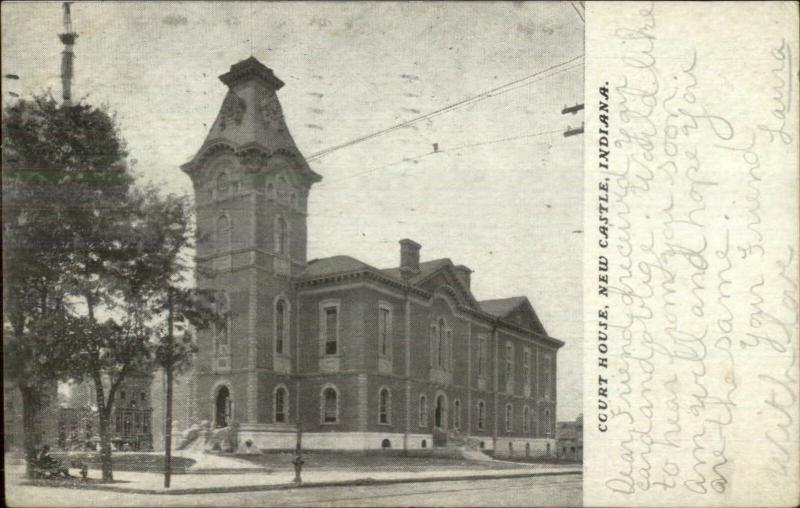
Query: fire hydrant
[[298, 466]]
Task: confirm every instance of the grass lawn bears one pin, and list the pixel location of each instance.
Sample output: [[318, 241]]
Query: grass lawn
[[369, 462], [126, 461]]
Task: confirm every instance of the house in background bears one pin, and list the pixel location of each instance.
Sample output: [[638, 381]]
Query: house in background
[[569, 437], [131, 417]]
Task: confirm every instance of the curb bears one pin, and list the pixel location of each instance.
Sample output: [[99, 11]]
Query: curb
[[288, 486]]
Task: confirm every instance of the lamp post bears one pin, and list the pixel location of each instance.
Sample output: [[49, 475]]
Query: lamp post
[[168, 382], [298, 455]]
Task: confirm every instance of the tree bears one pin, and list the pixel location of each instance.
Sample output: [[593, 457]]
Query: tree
[[62, 168], [134, 280], [94, 260], [170, 301]]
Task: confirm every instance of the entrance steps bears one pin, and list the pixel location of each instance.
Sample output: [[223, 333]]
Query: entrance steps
[[459, 445]]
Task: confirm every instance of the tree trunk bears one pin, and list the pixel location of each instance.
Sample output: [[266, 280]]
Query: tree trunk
[[104, 413], [31, 403], [105, 447], [168, 431]]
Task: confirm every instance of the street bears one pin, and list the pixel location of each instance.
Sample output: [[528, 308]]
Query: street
[[533, 491]]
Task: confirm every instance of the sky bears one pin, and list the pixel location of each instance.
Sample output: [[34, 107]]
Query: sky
[[503, 194]]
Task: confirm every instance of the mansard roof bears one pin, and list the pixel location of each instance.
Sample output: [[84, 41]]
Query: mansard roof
[[250, 120]]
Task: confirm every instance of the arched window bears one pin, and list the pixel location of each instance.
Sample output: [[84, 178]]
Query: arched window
[[448, 359], [441, 353], [384, 406], [281, 236], [221, 329], [223, 238], [481, 414], [457, 414], [222, 185], [281, 326], [423, 411], [509, 417], [434, 339], [330, 405], [548, 425], [281, 404], [526, 414]]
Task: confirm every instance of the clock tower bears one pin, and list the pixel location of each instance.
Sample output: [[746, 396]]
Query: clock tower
[[251, 187]]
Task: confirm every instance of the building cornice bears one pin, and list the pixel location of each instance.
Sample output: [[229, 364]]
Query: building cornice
[[483, 317]]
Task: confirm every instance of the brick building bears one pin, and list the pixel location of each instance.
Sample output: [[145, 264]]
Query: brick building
[[358, 357], [131, 416], [569, 439]]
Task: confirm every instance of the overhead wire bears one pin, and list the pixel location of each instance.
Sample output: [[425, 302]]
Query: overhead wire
[[416, 158], [507, 87]]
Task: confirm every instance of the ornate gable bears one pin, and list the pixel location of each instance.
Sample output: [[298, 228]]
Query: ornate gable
[[524, 316], [445, 277]]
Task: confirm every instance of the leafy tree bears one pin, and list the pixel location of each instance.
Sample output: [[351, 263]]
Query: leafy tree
[[94, 264], [62, 169]]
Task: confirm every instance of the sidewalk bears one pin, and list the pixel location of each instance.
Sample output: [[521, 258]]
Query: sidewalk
[[245, 481]]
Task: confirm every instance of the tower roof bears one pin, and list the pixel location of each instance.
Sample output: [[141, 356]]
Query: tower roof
[[251, 68], [251, 118]]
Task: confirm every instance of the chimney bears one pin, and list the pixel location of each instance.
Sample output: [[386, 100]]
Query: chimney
[[409, 256], [463, 274]]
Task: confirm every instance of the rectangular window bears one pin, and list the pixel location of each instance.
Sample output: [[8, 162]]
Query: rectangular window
[[548, 377], [481, 416], [280, 326], [509, 367], [384, 330], [331, 330], [479, 359], [509, 417], [526, 367]]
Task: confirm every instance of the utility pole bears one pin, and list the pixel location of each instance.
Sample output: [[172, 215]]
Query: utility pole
[[572, 110], [168, 409], [67, 56]]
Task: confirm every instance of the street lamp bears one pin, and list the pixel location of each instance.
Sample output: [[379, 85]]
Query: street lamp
[[298, 454]]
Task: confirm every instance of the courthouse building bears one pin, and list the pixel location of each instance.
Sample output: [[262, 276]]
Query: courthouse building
[[356, 356]]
